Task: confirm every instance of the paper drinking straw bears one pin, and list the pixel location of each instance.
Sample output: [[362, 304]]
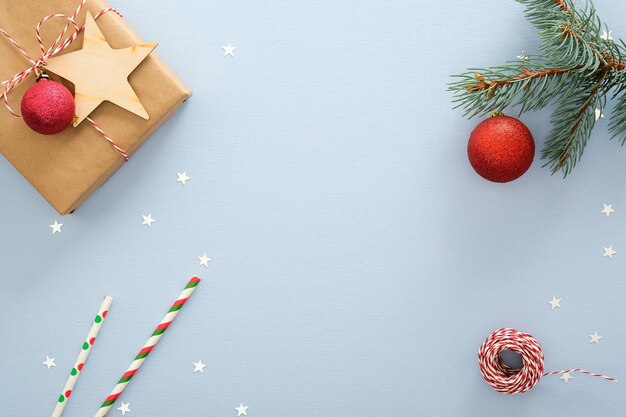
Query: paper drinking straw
[[147, 348], [82, 356]]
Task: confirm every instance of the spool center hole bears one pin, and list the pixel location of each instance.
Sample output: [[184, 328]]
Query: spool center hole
[[513, 359]]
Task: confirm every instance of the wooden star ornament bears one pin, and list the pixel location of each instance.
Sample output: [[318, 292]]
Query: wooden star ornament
[[100, 73]]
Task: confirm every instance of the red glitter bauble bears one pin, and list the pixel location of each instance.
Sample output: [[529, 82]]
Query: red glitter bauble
[[48, 107], [501, 149]]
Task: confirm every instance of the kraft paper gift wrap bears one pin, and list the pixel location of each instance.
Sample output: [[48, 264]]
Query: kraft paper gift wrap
[[68, 167]]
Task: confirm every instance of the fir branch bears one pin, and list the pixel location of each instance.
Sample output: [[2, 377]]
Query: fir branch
[[569, 37], [576, 68], [528, 84], [617, 125], [572, 122]]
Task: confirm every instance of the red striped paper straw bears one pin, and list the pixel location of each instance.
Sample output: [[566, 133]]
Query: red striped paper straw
[[147, 348], [85, 349]]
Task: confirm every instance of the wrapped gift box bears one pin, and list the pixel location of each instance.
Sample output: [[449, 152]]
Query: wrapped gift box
[[68, 167]]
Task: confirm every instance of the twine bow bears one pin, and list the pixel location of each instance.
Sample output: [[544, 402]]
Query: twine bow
[[60, 44]]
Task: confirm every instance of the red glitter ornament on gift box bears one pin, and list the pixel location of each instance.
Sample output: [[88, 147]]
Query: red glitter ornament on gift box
[[501, 148], [48, 107]]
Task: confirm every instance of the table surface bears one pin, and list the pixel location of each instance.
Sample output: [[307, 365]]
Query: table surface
[[358, 261]]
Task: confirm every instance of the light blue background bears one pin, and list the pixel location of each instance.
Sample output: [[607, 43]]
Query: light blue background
[[358, 261]]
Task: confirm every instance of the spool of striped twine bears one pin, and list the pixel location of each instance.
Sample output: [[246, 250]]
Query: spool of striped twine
[[506, 379]]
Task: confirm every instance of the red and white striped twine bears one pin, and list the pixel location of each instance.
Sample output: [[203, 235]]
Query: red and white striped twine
[[508, 380], [59, 45], [108, 139]]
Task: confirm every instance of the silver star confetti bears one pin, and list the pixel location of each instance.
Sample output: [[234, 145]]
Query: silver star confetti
[[609, 252], [199, 367], [124, 408], [606, 35], [566, 377], [204, 260], [56, 227], [599, 114], [229, 50], [241, 410], [555, 302], [608, 209], [49, 362], [148, 220], [595, 338], [182, 177]]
